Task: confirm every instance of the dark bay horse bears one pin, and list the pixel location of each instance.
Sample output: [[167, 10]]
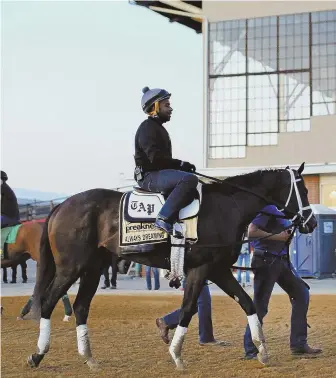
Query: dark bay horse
[[82, 229]]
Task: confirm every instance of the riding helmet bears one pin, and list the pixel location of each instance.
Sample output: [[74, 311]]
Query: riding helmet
[[153, 97]]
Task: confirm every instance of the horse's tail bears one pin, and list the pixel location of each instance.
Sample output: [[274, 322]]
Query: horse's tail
[[45, 269]]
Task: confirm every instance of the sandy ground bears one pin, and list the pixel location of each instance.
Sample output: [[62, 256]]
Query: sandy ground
[[125, 341]]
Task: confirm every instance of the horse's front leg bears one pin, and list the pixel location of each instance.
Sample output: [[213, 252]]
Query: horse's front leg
[[194, 283], [224, 279]]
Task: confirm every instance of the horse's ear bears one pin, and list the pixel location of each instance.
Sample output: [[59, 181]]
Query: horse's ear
[[287, 167], [301, 168]]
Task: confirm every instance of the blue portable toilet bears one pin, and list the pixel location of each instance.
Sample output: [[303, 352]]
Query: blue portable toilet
[[314, 255]]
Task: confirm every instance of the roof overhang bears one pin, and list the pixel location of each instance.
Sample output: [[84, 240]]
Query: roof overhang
[[187, 13]]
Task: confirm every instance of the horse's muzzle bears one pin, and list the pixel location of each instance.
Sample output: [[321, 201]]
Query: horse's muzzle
[[303, 229], [307, 228]]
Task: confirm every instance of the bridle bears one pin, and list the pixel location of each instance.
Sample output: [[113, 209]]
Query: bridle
[[293, 188]]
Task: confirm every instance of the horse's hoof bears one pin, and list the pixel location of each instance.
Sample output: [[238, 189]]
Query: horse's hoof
[[34, 360], [179, 364], [262, 355], [176, 358], [31, 362], [66, 318], [262, 359], [92, 364]]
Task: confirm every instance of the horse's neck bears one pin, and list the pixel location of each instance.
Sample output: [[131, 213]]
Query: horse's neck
[[249, 207], [249, 204]]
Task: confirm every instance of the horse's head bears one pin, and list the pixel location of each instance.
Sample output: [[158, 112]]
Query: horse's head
[[292, 192]]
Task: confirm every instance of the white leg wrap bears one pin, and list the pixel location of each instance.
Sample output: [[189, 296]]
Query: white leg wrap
[[43, 343], [177, 257], [83, 341], [175, 348], [258, 337], [255, 327]]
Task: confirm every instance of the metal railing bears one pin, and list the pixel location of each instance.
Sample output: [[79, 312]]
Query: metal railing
[[40, 209]]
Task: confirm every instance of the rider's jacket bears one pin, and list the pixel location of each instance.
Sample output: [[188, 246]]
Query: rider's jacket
[[153, 149]]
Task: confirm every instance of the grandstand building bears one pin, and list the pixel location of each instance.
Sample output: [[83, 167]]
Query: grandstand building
[[269, 86]]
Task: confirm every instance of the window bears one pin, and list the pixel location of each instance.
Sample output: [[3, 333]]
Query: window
[[227, 48], [324, 63], [269, 75], [228, 117], [294, 102], [261, 44], [262, 110], [294, 42]]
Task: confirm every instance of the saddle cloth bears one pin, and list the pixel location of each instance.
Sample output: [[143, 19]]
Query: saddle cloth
[[138, 211], [8, 236]]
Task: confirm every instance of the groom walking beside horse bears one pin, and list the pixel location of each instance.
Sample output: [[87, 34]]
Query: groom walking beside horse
[[271, 265]]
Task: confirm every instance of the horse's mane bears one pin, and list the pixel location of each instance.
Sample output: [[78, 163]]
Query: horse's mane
[[247, 180]]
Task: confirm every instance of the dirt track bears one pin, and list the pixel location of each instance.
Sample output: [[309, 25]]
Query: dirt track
[[124, 340]]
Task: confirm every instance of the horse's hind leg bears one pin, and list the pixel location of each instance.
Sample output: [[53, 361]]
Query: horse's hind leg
[[60, 285], [89, 282], [224, 279]]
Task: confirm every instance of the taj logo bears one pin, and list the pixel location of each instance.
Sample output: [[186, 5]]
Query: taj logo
[[140, 207]]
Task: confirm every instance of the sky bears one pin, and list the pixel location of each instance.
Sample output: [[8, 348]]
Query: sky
[[72, 75]]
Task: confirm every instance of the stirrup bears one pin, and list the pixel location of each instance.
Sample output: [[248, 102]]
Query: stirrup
[[178, 234], [164, 225]]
